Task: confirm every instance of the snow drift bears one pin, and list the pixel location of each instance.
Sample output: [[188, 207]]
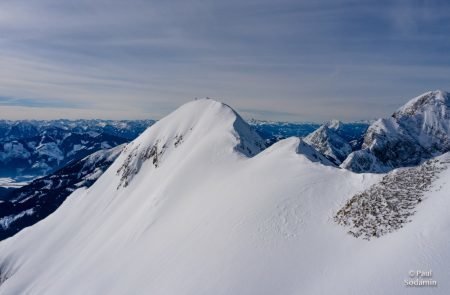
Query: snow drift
[[194, 206]]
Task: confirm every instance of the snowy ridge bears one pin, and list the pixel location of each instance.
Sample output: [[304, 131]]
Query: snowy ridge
[[192, 122], [209, 219]]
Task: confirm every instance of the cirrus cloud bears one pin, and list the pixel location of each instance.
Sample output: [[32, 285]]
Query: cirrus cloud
[[287, 59]]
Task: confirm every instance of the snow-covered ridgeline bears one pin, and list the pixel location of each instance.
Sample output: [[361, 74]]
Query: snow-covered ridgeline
[[213, 218]]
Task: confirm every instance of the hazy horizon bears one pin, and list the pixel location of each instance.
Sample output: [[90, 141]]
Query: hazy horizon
[[281, 60]]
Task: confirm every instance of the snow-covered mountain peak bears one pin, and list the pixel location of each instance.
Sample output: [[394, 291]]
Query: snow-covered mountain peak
[[415, 132], [201, 116], [427, 119], [203, 124], [210, 220], [309, 151], [432, 101], [327, 141], [334, 124]]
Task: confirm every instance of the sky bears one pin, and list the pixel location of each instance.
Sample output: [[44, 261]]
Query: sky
[[287, 60]]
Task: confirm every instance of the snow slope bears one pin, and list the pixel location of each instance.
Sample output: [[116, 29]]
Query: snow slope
[[193, 207]]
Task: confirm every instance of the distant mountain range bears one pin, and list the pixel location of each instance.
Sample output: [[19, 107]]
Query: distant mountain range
[[200, 202], [30, 149], [66, 155], [37, 148], [272, 131], [33, 202], [21, 129], [75, 153]]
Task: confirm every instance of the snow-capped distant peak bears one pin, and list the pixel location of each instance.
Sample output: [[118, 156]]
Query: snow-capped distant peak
[[329, 143], [312, 154], [334, 124], [417, 131], [432, 99]]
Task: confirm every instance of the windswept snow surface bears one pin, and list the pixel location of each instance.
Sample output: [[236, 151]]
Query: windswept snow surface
[[213, 218]]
